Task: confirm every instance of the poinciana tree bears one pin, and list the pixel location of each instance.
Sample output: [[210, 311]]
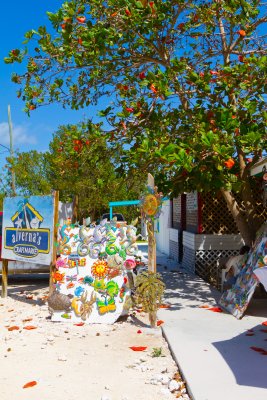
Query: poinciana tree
[[186, 78], [78, 163]]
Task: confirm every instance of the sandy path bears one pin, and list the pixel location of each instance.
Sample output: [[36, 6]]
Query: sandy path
[[72, 362]]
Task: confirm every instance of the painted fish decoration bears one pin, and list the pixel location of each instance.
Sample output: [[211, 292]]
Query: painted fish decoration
[[79, 291]]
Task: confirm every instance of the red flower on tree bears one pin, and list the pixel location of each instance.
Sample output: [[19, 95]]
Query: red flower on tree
[[81, 19], [229, 163], [242, 33]]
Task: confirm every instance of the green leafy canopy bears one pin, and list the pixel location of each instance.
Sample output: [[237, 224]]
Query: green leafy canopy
[[186, 79]]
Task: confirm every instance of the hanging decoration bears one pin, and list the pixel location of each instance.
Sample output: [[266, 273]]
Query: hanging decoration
[[151, 203], [91, 279]]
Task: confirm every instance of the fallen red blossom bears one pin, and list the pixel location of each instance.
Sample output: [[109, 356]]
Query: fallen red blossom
[[29, 384], [138, 348], [29, 327], [13, 328], [215, 309]]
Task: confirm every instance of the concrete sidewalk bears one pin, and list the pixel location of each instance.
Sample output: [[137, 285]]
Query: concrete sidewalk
[[212, 349]]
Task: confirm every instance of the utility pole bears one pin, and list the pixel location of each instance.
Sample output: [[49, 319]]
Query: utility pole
[[13, 187]]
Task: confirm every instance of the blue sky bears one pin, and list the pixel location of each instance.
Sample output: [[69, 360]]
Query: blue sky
[[34, 132]]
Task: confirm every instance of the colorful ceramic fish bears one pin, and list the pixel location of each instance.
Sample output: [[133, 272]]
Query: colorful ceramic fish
[[78, 291]]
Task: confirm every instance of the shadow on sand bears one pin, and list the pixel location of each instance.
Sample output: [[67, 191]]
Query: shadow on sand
[[22, 285]]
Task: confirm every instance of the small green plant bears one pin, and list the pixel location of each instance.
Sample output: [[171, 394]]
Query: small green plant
[[157, 352], [149, 292]]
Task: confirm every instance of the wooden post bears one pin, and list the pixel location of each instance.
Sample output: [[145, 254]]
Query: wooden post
[[55, 231], [4, 277], [152, 260]]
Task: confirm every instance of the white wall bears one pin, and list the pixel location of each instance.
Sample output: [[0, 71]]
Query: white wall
[[162, 229], [212, 242]]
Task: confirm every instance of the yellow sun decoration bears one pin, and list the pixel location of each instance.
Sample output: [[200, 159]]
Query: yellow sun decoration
[[99, 269]]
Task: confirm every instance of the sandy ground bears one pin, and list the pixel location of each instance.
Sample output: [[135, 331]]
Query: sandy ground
[[78, 362]]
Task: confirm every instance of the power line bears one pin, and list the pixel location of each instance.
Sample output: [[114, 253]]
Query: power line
[[4, 147]]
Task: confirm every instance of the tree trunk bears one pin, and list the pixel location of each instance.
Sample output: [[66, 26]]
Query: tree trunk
[[243, 226], [254, 221], [75, 209], [153, 319]]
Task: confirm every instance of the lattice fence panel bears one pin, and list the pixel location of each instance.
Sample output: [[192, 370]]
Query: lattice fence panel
[[216, 218], [207, 266], [258, 196]]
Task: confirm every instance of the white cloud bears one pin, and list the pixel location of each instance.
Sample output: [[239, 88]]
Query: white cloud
[[20, 135]]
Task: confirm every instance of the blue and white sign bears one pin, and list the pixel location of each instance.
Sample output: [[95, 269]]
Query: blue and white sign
[[28, 229]]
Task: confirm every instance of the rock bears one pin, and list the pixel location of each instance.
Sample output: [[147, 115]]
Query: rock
[[144, 368], [107, 388], [58, 302], [142, 359], [158, 378], [154, 382], [138, 367], [165, 391], [104, 397], [174, 385], [50, 338], [164, 370], [165, 380], [62, 358]]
